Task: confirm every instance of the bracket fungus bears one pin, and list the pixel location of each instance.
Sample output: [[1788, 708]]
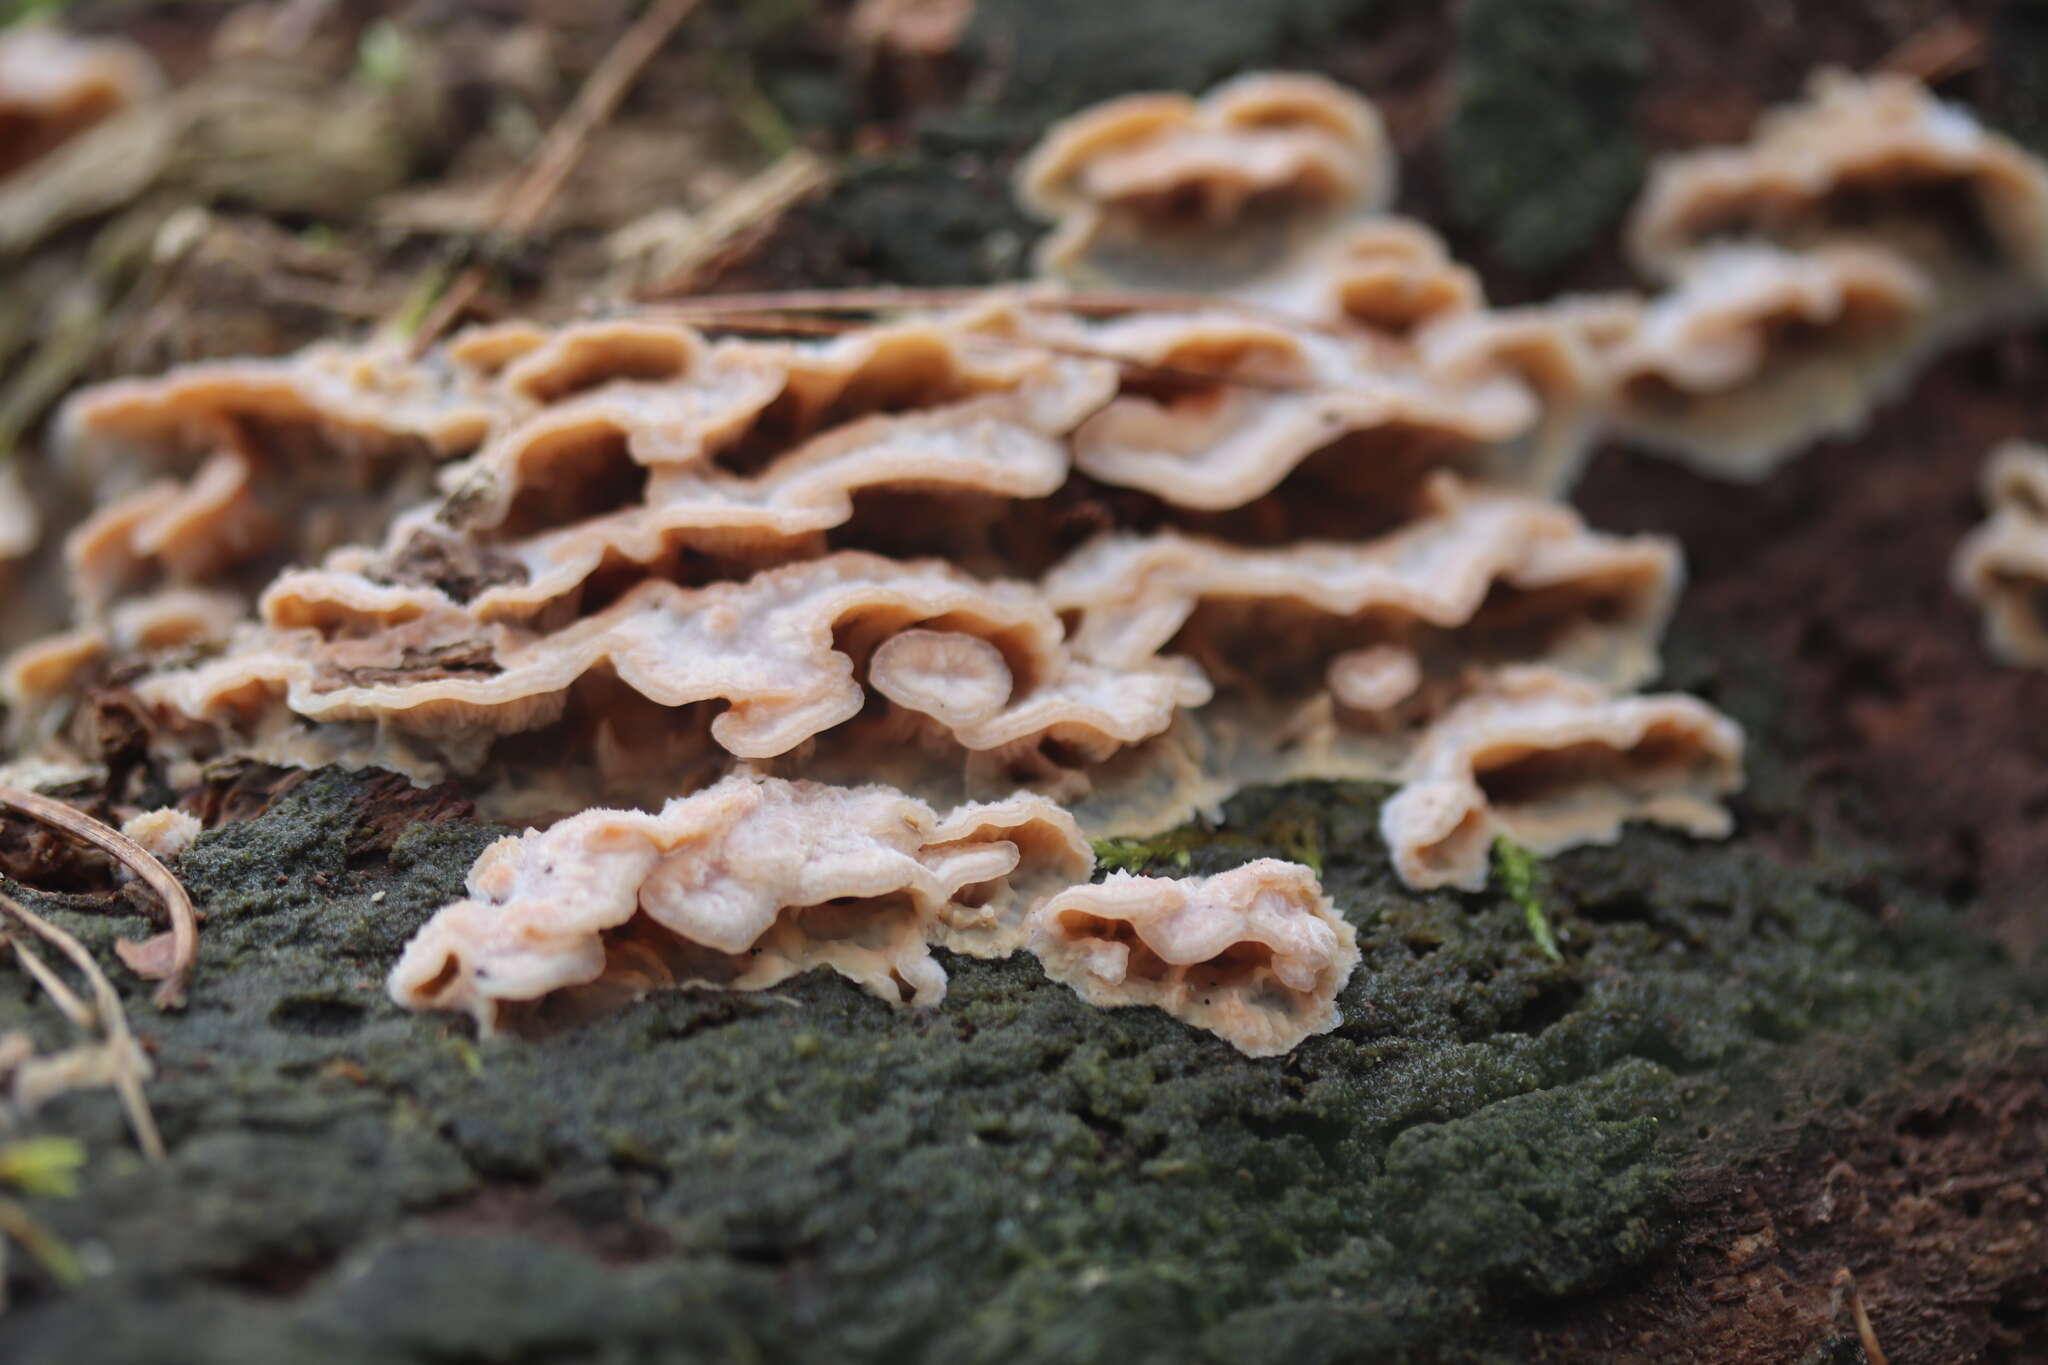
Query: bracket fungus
[[739, 887], [1875, 160], [1758, 351], [784, 652], [1390, 276], [1170, 190], [2003, 564], [1255, 955], [1484, 577], [1552, 763], [1102, 560], [1259, 428]]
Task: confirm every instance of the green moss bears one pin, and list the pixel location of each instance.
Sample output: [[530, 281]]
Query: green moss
[[1543, 150]]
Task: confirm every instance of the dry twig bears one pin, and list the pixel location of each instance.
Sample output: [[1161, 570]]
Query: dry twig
[[742, 215], [529, 198], [76, 1010], [166, 958], [1944, 49]]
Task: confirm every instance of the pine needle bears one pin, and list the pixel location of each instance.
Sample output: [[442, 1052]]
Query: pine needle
[[148, 870], [528, 200]]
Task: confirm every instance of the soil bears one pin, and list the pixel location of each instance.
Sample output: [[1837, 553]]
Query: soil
[[1816, 1047]]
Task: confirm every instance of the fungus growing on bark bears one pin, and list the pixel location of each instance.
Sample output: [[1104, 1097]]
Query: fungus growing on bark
[[1255, 955], [1553, 763], [220, 473], [54, 86], [2003, 564], [360, 404], [785, 651], [1484, 578], [1552, 351], [1758, 351], [1261, 429], [1875, 160], [697, 461], [604, 563], [739, 887], [1169, 190], [185, 532], [1392, 276], [747, 422]]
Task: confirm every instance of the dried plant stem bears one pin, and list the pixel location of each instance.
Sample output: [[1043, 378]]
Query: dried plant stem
[[742, 214], [48, 1249], [170, 994], [522, 208], [76, 1010], [113, 1020], [1874, 1353]]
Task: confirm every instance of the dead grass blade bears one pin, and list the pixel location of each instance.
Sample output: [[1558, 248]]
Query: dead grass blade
[[113, 1020]]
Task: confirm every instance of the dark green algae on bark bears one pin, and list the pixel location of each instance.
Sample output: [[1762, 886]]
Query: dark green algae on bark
[[809, 1174]]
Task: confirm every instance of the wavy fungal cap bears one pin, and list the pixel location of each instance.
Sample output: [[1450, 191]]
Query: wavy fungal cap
[[1553, 763], [788, 654], [1486, 577], [2003, 564], [1873, 158], [359, 403], [656, 451], [738, 887], [1758, 351], [1391, 276], [1159, 189], [1256, 955], [1297, 427]]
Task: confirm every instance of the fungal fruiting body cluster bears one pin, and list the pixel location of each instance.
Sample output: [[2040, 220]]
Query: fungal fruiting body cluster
[[753, 880], [1115, 555], [1819, 264]]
